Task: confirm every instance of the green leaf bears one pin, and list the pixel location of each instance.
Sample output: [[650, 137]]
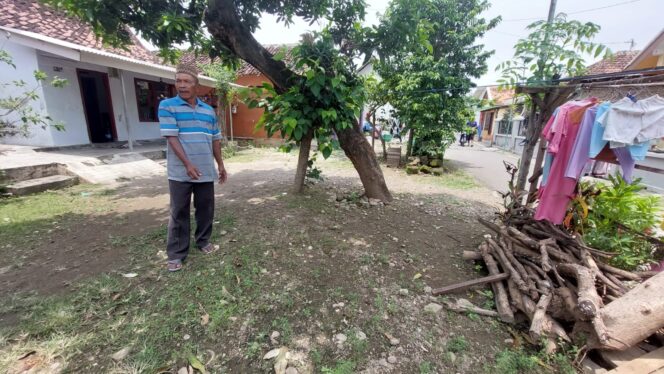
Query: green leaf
[[197, 364], [326, 151], [279, 55]]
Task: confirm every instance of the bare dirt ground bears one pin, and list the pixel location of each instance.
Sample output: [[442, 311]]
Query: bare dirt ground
[[343, 283]]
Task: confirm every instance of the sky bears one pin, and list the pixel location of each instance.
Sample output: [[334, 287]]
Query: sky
[[620, 20]]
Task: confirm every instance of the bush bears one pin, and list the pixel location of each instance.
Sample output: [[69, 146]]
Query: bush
[[616, 217]]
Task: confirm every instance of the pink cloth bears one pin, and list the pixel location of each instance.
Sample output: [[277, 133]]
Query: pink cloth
[[561, 132]]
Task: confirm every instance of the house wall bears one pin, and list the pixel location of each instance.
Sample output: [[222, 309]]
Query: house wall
[[66, 104], [25, 59], [245, 119]]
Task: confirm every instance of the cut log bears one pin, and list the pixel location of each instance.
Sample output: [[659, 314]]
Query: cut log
[[588, 301], [467, 284], [546, 264], [633, 317], [502, 301]]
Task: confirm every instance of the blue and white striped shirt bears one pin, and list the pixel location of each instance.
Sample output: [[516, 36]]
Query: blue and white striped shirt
[[197, 128]]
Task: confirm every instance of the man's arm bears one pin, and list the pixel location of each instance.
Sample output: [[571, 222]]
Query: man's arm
[[216, 150], [176, 147]]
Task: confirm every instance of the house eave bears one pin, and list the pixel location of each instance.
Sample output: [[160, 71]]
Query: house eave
[[81, 53]]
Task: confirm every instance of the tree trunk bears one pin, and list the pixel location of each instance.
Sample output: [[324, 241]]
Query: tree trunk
[[225, 25], [302, 161], [411, 139], [358, 150], [632, 317], [532, 136]]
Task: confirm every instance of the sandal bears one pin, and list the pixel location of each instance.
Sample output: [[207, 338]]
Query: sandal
[[174, 265], [209, 248]]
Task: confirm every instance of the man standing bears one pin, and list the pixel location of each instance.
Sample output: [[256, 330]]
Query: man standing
[[194, 143]]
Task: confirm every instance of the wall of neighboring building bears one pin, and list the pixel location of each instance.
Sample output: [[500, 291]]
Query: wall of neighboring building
[[25, 59], [245, 119]]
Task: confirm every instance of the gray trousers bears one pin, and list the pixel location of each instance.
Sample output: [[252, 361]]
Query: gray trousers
[[179, 225]]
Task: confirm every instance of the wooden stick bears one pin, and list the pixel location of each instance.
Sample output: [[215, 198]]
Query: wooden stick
[[502, 301], [508, 266], [619, 272], [530, 283], [546, 264], [539, 323], [467, 284], [471, 256]]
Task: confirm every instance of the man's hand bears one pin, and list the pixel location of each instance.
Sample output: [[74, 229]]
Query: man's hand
[[222, 175], [193, 172]]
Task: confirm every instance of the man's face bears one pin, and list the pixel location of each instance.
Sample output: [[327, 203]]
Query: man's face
[[185, 84]]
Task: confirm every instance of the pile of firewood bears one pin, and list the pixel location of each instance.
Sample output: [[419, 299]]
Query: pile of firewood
[[565, 288]]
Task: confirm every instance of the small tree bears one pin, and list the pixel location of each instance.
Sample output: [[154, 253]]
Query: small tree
[[17, 115], [551, 51], [428, 53]]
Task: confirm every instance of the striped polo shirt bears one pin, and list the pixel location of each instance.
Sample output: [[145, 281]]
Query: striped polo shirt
[[196, 127]]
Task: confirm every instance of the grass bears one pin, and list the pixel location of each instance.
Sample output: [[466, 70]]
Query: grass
[[456, 179], [26, 219], [150, 313]]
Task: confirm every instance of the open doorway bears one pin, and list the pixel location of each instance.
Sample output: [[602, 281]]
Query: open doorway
[[97, 106]]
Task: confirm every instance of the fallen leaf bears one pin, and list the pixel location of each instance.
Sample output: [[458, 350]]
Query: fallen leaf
[[205, 319], [281, 362], [417, 276], [197, 364], [272, 354], [130, 275], [121, 354]]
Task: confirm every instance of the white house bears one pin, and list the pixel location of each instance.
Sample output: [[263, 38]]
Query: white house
[[112, 94]]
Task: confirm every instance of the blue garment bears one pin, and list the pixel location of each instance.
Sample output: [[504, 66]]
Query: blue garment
[[196, 127], [548, 160], [638, 151]]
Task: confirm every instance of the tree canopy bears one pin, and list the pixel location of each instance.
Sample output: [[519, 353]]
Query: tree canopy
[[428, 52]]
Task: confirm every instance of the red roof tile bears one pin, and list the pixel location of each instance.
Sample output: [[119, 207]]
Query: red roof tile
[[617, 62], [33, 16], [501, 96]]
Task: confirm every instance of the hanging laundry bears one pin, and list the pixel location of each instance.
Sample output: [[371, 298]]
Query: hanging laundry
[[597, 142], [630, 122], [559, 190], [587, 142]]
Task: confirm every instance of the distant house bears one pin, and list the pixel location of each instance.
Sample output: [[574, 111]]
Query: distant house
[[652, 56], [618, 61], [112, 95], [496, 105]]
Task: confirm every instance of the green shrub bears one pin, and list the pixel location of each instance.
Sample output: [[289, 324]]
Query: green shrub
[[618, 216]]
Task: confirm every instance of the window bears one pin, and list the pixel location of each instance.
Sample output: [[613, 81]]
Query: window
[[148, 96], [523, 127], [504, 127]]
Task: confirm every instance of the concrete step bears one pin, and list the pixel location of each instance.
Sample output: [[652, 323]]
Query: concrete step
[[24, 173], [30, 186]]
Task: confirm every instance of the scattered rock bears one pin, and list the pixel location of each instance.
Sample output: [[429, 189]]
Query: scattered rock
[[274, 337], [291, 370], [452, 356], [374, 202], [186, 337], [412, 169], [360, 335], [121, 354], [223, 233], [340, 339], [509, 341], [433, 308], [403, 292], [394, 341], [338, 305], [427, 290], [425, 169], [437, 171], [392, 360]]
